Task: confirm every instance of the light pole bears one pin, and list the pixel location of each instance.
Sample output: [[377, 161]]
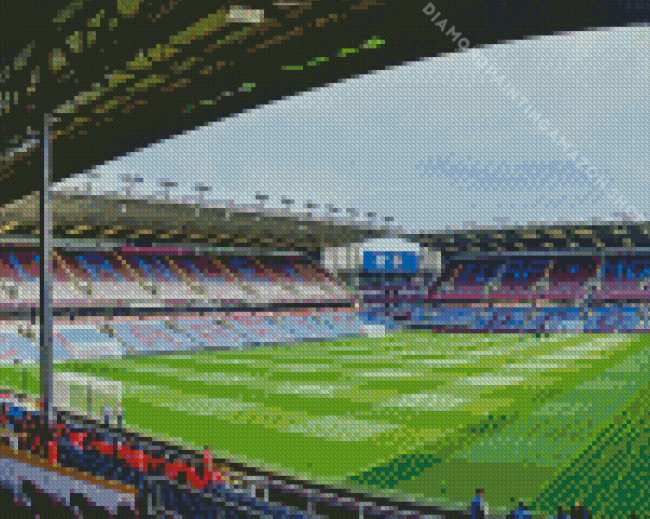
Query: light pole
[[310, 205], [200, 188], [46, 359], [261, 198], [130, 181], [167, 184], [354, 213]]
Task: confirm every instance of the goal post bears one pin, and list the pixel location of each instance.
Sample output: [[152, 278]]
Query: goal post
[[90, 396]]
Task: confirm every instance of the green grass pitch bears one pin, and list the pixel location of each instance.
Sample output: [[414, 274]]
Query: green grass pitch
[[547, 419]]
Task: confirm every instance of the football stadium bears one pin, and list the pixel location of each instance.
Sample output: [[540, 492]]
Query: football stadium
[[201, 359], [415, 373]]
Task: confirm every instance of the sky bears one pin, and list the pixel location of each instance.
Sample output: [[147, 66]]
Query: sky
[[436, 144]]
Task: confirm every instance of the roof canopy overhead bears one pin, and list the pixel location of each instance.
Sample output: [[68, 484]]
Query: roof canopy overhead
[[390, 244], [160, 68], [569, 237]]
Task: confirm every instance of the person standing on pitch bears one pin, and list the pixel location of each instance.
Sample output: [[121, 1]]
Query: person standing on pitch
[[520, 512], [578, 512], [479, 508]]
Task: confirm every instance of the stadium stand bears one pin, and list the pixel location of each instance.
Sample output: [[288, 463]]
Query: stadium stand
[[113, 279], [546, 294], [92, 336]]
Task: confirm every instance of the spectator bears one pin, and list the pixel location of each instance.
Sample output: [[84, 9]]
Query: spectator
[[479, 508], [520, 512], [561, 515], [578, 512]]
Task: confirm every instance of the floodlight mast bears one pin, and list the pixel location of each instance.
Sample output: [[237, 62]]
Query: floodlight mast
[[46, 359]]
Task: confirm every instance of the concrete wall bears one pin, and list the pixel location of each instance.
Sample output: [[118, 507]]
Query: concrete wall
[[430, 260]]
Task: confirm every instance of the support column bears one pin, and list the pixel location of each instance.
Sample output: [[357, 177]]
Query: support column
[[47, 279]]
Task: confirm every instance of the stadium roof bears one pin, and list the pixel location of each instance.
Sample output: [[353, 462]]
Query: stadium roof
[[118, 219], [163, 67], [102, 221], [572, 237]]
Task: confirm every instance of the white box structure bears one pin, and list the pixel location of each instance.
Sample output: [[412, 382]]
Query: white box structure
[[342, 258]]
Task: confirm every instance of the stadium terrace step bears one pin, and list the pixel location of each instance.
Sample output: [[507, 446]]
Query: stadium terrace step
[[64, 481]]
